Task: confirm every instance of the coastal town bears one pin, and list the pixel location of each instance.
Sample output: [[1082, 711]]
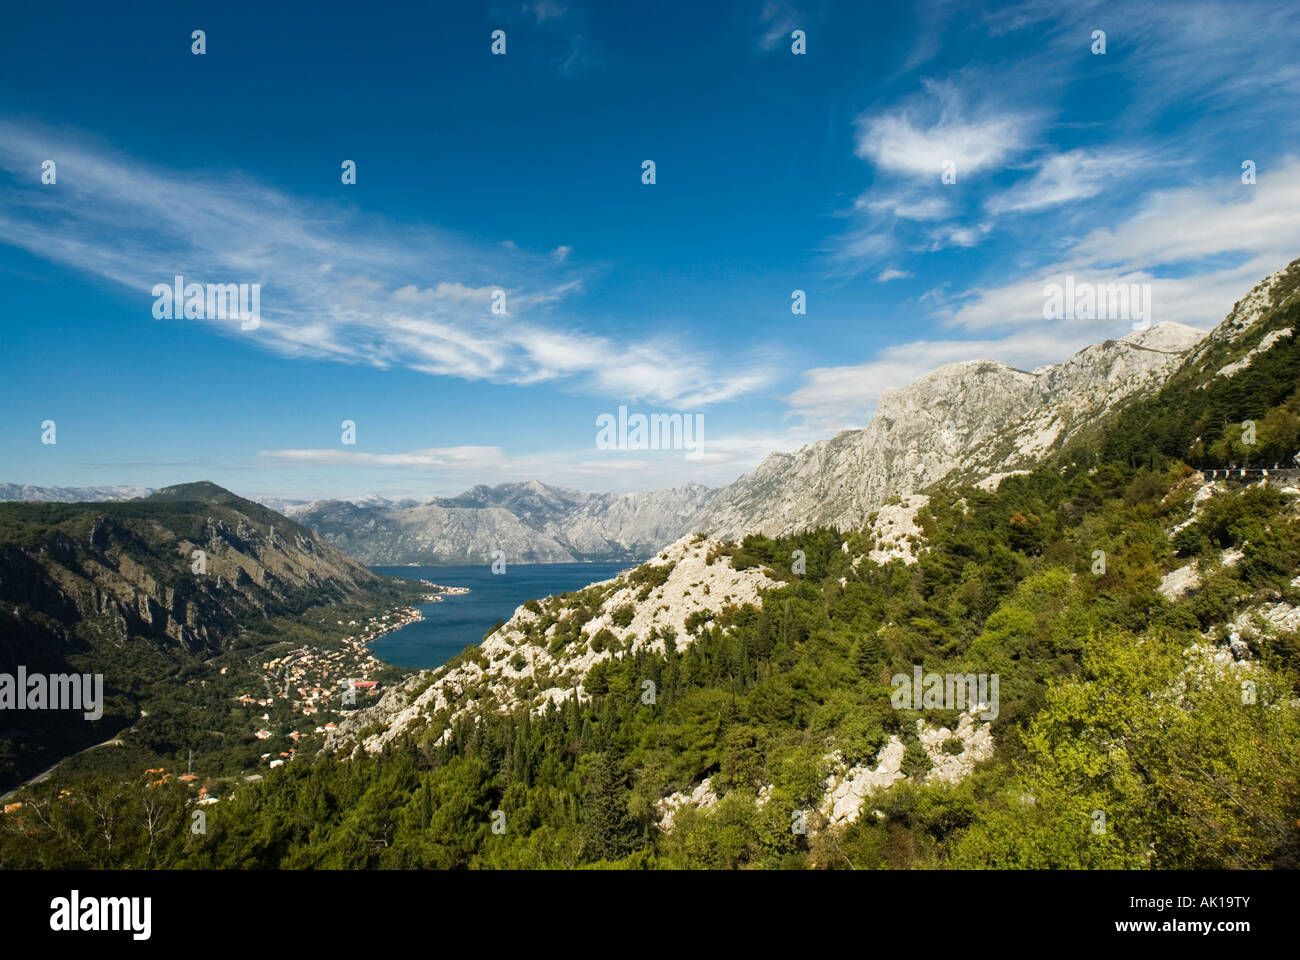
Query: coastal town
[[305, 690], [315, 682]]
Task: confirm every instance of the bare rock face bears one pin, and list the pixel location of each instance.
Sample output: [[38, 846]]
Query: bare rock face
[[964, 421], [634, 524], [847, 788], [428, 533]]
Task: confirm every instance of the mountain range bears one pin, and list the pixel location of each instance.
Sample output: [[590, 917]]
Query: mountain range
[[11, 492], [976, 421]]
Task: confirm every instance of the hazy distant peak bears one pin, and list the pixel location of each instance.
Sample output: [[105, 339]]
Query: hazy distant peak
[[28, 492]]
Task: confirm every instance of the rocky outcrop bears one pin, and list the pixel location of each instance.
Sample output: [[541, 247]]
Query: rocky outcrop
[[547, 649], [895, 534], [847, 787], [1265, 344], [701, 798]]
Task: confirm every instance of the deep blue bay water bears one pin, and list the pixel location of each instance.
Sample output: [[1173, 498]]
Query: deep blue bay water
[[454, 622]]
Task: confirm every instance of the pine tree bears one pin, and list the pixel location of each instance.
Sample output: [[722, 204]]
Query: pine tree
[[573, 717], [867, 653], [519, 772], [609, 832]]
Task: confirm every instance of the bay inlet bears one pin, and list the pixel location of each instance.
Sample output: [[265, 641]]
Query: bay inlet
[[455, 621]]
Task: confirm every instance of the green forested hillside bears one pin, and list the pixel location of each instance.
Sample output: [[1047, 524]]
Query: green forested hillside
[[114, 589], [1110, 714]]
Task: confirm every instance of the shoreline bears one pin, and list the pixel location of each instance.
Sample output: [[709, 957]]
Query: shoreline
[[405, 616], [514, 563]]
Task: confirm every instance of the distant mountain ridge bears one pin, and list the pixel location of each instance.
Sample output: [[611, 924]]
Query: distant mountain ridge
[[974, 421], [30, 493], [26, 492], [529, 522]]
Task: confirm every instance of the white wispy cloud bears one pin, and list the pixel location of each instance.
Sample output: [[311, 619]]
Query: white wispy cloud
[[1065, 177], [578, 57], [906, 204], [545, 10], [1214, 68], [1201, 54], [446, 471], [920, 137], [957, 235], [909, 206], [1199, 246], [335, 285]]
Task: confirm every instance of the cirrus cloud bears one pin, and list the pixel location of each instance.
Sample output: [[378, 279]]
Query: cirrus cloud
[[337, 286]]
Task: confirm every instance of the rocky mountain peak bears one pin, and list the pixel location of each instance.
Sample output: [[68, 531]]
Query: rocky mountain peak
[[972, 421], [1167, 336]]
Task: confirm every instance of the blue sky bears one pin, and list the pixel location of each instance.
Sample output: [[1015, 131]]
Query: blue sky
[[522, 172]]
